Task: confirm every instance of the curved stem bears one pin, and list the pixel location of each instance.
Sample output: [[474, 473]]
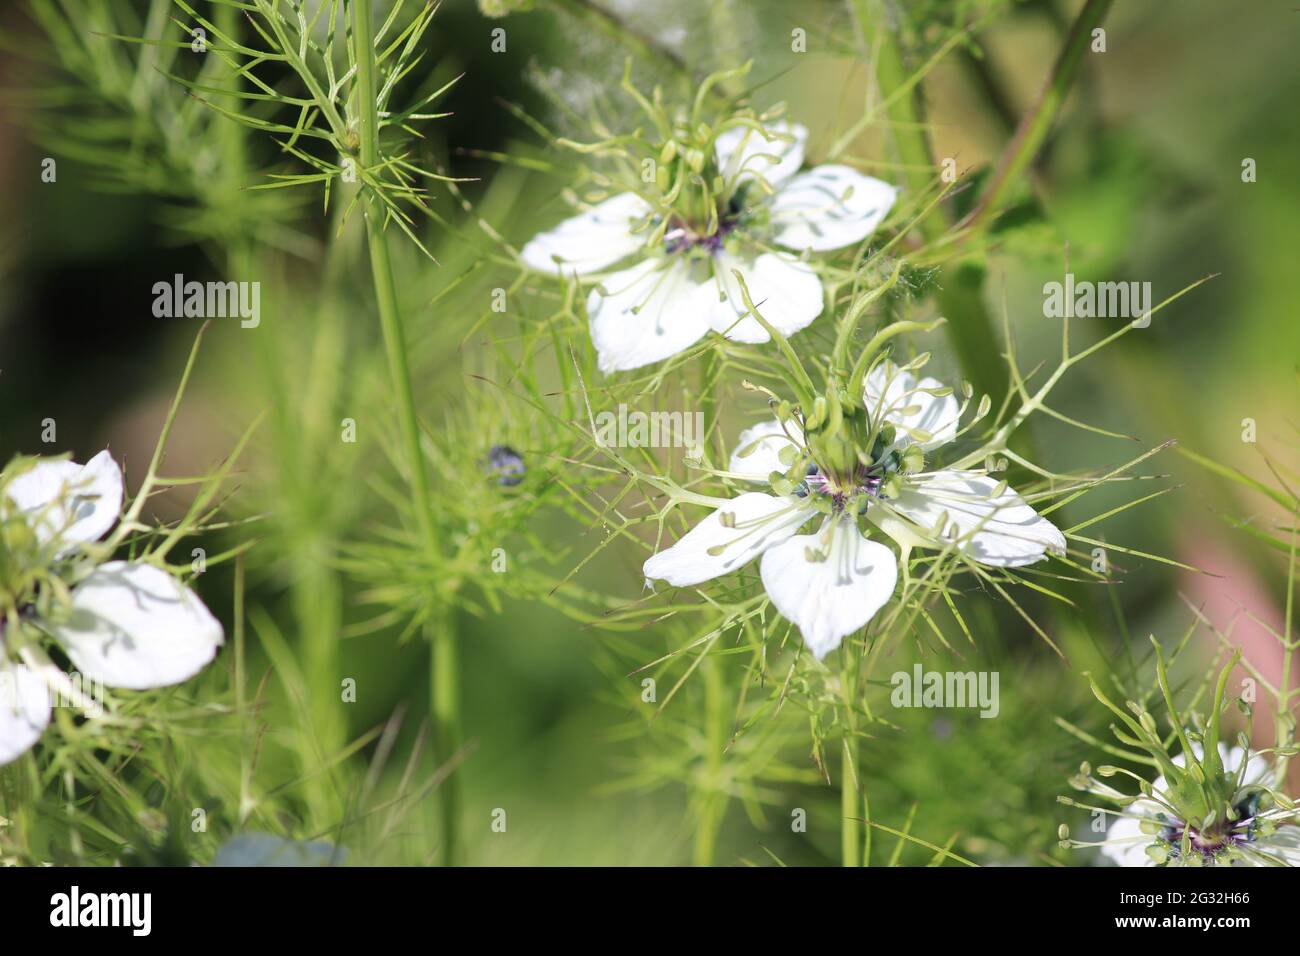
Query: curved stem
[[444, 696]]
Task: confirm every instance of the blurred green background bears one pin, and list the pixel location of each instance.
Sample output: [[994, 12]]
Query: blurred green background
[[1142, 181]]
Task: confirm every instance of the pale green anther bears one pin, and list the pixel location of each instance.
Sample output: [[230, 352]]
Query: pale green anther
[[781, 484], [818, 416], [695, 160], [1106, 770], [727, 519], [787, 455], [892, 487], [1085, 768], [668, 152], [1063, 832], [920, 435], [1148, 722], [814, 556]]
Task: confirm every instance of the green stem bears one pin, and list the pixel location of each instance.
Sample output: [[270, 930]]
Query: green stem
[[444, 696], [851, 843], [712, 800], [1037, 123], [961, 297], [601, 20], [1284, 727]]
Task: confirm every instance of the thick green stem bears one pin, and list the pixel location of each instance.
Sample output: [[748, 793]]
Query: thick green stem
[[712, 799], [444, 696]]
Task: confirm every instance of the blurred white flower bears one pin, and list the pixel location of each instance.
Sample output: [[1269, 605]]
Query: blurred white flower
[[832, 582], [1150, 833], [665, 299], [127, 624]]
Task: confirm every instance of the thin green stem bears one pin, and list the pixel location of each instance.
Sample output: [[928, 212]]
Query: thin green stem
[[1284, 733], [444, 692], [711, 803], [603, 21], [961, 297]]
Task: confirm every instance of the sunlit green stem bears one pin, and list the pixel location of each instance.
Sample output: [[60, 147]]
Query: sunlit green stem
[[1284, 737], [444, 703], [850, 785]]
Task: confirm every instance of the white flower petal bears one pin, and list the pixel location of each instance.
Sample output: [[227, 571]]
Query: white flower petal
[[758, 449], [758, 522], [24, 710], [590, 241], [832, 597], [135, 626], [906, 402], [829, 207], [786, 293], [1284, 843], [68, 503], [1002, 532], [649, 312], [744, 153]]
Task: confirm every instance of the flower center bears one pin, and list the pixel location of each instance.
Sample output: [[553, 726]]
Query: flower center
[[855, 491], [1210, 843], [688, 230]]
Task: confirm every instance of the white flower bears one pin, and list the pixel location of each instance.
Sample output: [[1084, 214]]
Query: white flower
[[1127, 844], [665, 299], [128, 624], [832, 582]]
